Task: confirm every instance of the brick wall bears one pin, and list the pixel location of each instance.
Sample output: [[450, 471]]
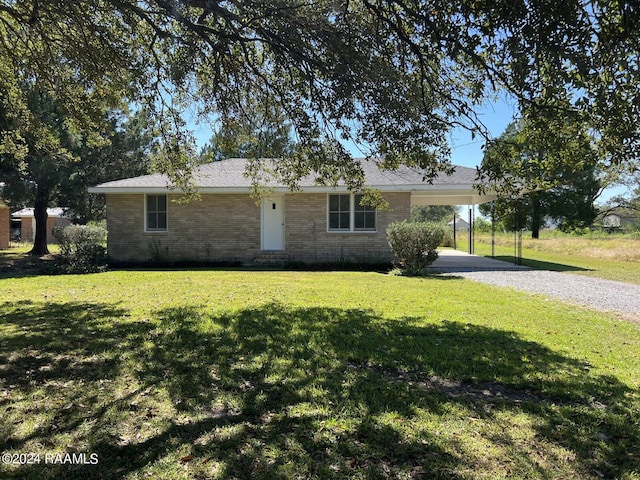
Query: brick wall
[[216, 228], [307, 238], [5, 226], [227, 228]]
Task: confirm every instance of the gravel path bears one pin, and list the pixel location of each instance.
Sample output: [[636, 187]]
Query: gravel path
[[591, 292]]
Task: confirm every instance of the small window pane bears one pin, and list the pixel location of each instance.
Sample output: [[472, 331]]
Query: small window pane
[[152, 221], [370, 220], [344, 203], [161, 203], [162, 221], [334, 220], [364, 215], [334, 203], [344, 221]]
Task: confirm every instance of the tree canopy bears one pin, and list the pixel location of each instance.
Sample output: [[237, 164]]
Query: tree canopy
[[391, 76], [433, 213], [257, 133], [559, 172], [124, 146], [46, 159]]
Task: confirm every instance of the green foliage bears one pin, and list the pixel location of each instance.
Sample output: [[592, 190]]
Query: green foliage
[[122, 147], [52, 160], [433, 213], [255, 133], [373, 198], [437, 214], [559, 171], [40, 152], [82, 248], [482, 225], [366, 72], [447, 237], [415, 244]]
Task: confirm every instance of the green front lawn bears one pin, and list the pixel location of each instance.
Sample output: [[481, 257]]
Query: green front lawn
[[248, 374]]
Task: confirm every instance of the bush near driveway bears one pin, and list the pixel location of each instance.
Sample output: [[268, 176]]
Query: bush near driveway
[[415, 244]]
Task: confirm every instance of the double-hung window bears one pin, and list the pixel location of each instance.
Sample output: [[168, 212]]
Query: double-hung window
[[340, 212], [347, 215], [156, 213], [364, 217]]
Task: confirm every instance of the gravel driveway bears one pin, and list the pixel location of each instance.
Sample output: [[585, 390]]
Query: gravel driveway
[[591, 292], [606, 295]]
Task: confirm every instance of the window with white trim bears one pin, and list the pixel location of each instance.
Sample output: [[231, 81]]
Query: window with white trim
[[364, 216], [347, 215], [156, 213], [340, 212]]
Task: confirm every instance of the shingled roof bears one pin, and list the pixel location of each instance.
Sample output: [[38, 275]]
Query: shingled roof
[[230, 176]]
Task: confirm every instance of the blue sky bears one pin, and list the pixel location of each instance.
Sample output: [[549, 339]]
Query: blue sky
[[467, 151]]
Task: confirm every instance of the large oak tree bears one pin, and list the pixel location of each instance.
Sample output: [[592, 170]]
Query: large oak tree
[[392, 76], [46, 159]]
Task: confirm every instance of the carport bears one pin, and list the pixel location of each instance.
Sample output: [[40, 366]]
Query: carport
[[463, 194]]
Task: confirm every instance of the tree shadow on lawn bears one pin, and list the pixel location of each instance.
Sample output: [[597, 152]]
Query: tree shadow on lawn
[[21, 264], [280, 392], [542, 265]]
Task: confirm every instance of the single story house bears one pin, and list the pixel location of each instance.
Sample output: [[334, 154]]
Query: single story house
[[618, 221], [55, 218], [315, 224]]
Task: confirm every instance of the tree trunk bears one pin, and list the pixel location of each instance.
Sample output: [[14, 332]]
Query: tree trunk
[[40, 246], [536, 217]]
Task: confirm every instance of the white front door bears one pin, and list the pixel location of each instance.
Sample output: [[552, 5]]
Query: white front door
[[273, 222]]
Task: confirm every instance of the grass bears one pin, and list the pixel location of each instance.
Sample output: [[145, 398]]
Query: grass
[[614, 257], [254, 374]]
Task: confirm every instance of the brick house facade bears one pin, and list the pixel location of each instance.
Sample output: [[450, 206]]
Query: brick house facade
[[227, 227], [316, 224]]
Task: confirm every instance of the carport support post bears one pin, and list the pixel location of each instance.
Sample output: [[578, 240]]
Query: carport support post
[[520, 246], [455, 247], [471, 231], [515, 237], [493, 229]]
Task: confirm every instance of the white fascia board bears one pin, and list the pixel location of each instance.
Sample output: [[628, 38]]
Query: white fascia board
[[413, 188], [419, 189], [451, 197], [124, 190]]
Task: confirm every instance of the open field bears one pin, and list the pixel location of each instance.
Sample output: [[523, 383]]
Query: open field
[[606, 256], [257, 374]]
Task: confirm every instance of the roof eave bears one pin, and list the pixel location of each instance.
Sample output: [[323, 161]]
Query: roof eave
[[280, 189]]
